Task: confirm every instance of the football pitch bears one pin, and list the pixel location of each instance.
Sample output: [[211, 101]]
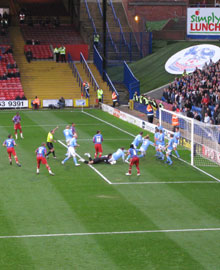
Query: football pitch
[[96, 217]]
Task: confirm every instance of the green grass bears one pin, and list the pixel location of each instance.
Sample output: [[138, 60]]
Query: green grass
[[155, 25], [78, 200], [150, 70]]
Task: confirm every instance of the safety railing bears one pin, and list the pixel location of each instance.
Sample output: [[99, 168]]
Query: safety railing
[[77, 75], [97, 59], [110, 84], [119, 25], [90, 17], [108, 30], [89, 72]]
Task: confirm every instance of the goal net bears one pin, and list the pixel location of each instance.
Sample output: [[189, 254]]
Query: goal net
[[199, 142]]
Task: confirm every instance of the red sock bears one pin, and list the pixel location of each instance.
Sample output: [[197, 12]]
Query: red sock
[[48, 167]]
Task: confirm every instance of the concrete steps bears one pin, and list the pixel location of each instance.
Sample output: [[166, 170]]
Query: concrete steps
[[45, 79]]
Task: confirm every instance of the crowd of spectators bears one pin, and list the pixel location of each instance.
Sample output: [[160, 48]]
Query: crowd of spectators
[[197, 95]]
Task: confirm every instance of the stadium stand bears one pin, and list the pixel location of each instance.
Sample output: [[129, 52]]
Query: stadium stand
[[39, 51], [43, 8], [64, 34], [10, 83]]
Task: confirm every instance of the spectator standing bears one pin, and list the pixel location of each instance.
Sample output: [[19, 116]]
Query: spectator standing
[[100, 95], [56, 53], [96, 40], [62, 51], [175, 122], [114, 98], [207, 119], [135, 97], [150, 113], [86, 88], [29, 55]]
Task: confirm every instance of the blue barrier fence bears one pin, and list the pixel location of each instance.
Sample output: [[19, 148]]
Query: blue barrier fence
[[97, 59], [130, 81]]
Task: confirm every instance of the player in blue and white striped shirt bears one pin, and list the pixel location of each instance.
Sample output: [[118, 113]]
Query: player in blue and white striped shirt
[[169, 149], [145, 144], [176, 140], [120, 153]]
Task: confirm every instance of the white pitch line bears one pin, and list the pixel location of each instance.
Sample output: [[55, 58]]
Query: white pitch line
[[90, 139], [169, 182], [94, 169], [108, 233], [198, 169], [40, 111], [27, 126], [110, 124], [213, 177]]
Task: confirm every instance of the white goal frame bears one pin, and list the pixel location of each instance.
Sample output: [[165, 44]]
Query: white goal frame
[[211, 145]]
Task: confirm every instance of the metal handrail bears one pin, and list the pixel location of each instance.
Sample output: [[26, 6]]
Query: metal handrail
[[119, 24], [110, 84], [90, 17], [89, 72], [77, 75], [108, 30]]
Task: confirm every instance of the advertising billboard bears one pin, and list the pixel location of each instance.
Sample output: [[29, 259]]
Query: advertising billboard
[[203, 23]]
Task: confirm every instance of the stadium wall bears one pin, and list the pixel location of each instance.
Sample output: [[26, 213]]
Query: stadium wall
[[75, 49], [153, 11]]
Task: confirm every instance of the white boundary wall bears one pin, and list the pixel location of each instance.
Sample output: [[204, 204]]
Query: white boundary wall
[[129, 118]]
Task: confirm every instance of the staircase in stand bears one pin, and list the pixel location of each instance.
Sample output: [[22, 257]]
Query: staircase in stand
[[45, 79]]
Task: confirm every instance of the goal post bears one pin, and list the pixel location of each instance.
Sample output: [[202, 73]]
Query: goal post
[[199, 142]]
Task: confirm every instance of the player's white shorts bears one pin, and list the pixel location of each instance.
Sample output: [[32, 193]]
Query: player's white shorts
[[169, 151], [175, 145], [68, 142], [161, 147], [143, 151], [71, 151]]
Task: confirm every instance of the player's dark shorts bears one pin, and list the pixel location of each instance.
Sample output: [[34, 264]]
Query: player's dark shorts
[[96, 160], [49, 145]]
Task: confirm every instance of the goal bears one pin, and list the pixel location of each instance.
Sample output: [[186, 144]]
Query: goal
[[199, 142]]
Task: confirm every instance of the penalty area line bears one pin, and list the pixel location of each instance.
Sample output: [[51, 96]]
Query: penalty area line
[[168, 182], [108, 233], [94, 169]]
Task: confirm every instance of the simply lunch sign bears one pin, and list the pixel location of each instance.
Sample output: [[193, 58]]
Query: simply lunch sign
[[203, 22]]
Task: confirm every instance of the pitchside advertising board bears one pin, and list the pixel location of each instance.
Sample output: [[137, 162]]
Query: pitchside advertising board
[[10, 104], [22, 104], [203, 23], [191, 58]]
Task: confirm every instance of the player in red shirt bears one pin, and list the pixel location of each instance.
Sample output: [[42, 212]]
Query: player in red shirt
[[133, 161], [17, 125], [41, 158], [10, 144], [97, 140]]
